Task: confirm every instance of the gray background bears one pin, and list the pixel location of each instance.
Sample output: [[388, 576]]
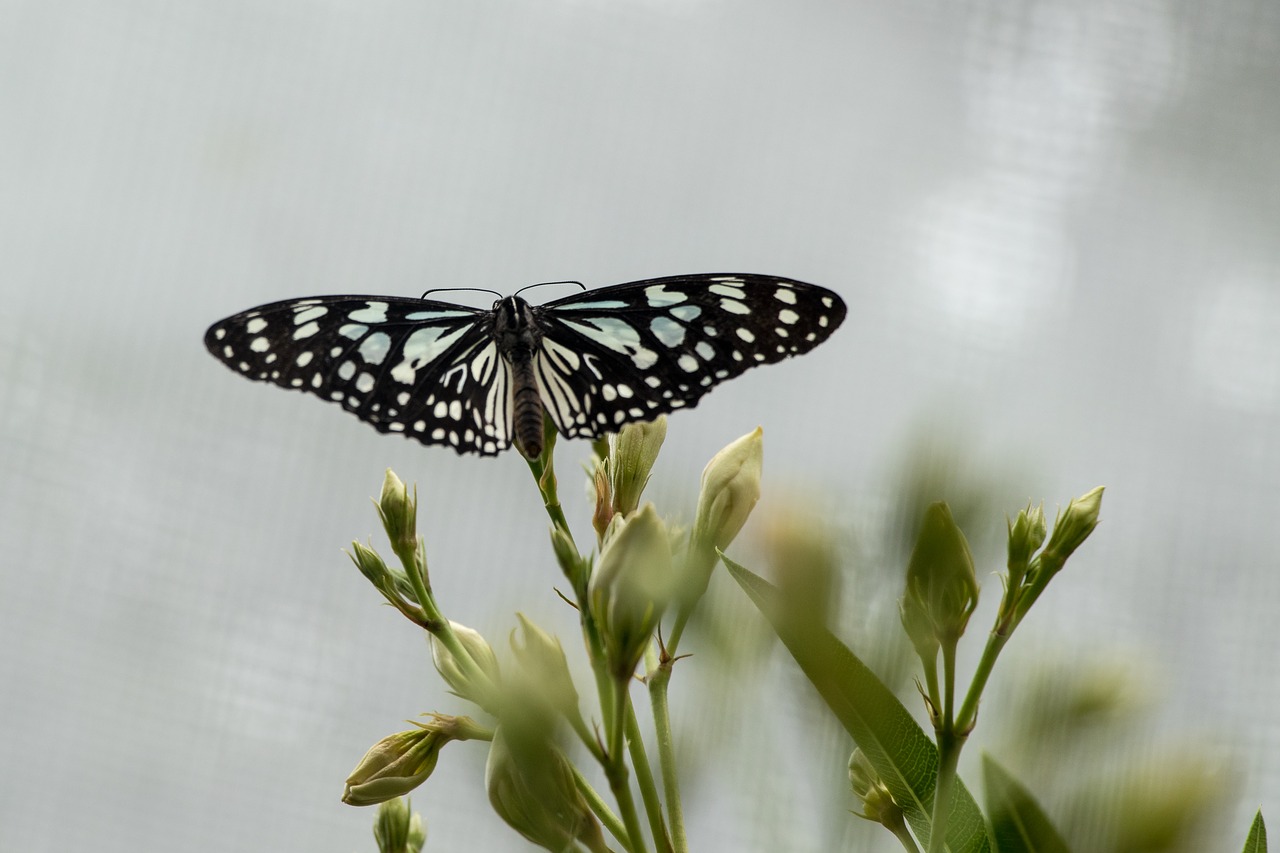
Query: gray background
[[1055, 225]]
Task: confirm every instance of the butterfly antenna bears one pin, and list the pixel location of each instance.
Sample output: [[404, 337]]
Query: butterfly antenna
[[457, 289], [545, 283]]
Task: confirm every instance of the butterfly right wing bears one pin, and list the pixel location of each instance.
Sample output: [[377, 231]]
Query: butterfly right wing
[[426, 369]]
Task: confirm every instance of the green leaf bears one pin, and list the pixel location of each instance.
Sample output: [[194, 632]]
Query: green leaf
[[1257, 840], [1018, 824], [899, 750]]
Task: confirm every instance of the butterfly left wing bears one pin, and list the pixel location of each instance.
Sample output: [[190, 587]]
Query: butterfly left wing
[[634, 351], [422, 368]]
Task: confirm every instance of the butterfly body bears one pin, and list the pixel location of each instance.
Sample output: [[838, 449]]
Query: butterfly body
[[480, 380]]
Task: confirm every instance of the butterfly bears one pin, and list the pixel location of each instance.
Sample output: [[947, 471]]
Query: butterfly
[[480, 380]]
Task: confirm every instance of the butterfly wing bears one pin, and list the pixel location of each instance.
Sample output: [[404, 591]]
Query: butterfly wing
[[634, 351], [426, 369]]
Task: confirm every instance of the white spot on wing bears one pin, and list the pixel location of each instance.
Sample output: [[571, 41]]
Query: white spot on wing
[[668, 332], [421, 348], [788, 316], [306, 331], [374, 348], [746, 335], [687, 363], [660, 297], [260, 344], [375, 312], [726, 290], [785, 294], [306, 315], [257, 324], [734, 307]]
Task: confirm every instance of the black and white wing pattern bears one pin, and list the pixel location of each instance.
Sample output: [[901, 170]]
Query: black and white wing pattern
[[427, 369], [478, 380], [635, 351]]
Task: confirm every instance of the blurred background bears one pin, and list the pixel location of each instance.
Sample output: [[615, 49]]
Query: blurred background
[[1055, 225]]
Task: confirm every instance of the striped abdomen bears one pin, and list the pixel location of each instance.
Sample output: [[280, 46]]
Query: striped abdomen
[[526, 409]]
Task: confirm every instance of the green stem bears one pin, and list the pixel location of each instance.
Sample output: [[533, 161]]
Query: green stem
[[949, 745], [599, 807], [644, 778], [659, 680], [968, 713], [616, 769], [543, 469]]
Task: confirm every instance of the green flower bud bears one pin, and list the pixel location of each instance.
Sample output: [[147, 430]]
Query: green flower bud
[[531, 787], [633, 451], [566, 554], [371, 565], [396, 830], [1073, 526], [603, 488], [877, 802], [730, 489], [919, 628], [544, 668], [940, 577], [802, 557], [631, 586], [476, 682], [399, 513], [394, 766], [1026, 535]]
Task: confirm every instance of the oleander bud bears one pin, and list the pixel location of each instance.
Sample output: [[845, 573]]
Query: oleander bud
[[399, 512], [633, 451], [396, 829], [631, 586], [1073, 526], [1026, 535], [394, 766], [877, 802], [475, 683], [544, 667], [531, 787], [730, 489], [940, 578]]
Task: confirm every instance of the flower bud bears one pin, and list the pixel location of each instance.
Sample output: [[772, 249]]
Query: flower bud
[[940, 577], [877, 802], [602, 514], [1026, 535], [371, 565], [730, 488], [531, 787], [802, 557], [396, 830], [1073, 526], [543, 666], [631, 586], [399, 513], [475, 682], [566, 555], [394, 766], [633, 451]]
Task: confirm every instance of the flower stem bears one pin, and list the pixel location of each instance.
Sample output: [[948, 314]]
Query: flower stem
[[644, 778], [616, 768], [659, 680]]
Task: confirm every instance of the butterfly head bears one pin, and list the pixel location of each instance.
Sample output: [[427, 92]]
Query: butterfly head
[[514, 326]]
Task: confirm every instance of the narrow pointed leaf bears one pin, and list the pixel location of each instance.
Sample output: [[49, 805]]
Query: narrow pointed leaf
[[1257, 840], [899, 750], [1018, 824]]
